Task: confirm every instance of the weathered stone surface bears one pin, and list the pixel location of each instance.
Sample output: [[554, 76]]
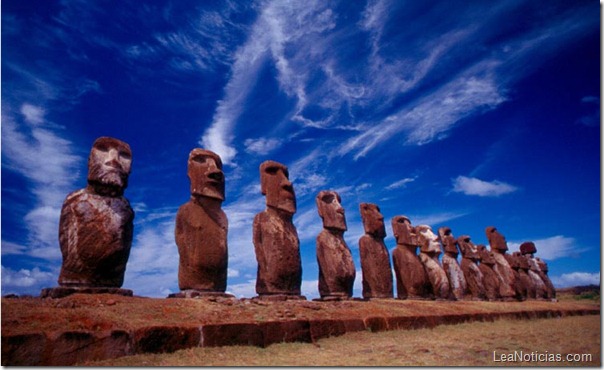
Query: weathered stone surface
[[469, 266], [375, 260], [201, 226], [527, 249], [159, 339], [527, 282], [457, 281], [336, 267], [95, 228], [429, 252], [73, 347], [519, 287], [276, 240], [411, 278], [23, 350], [499, 248], [551, 290], [60, 292], [492, 281]]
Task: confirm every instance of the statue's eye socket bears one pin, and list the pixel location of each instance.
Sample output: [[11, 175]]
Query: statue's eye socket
[[328, 198], [124, 154], [102, 147], [272, 170]]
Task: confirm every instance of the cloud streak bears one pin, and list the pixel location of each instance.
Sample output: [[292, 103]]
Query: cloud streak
[[477, 187]]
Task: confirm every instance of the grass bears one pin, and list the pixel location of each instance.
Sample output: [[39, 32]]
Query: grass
[[470, 344]]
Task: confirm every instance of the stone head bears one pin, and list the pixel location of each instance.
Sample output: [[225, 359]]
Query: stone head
[[496, 240], [109, 165], [528, 248], [275, 185], [522, 261], [468, 249], [542, 265], [373, 221], [448, 240], [331, 211], [513, 261], [428, 241], [486, 256], [403, 231], [204, 169]]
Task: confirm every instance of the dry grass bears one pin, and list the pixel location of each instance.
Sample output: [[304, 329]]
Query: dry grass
[[469, 344]]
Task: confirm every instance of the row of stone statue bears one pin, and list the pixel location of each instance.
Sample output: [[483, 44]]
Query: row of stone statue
[[96, 229]]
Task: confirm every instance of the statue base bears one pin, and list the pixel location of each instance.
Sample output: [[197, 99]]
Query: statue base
[[333, 298], [280, 297], [64, 291], [192, 293]]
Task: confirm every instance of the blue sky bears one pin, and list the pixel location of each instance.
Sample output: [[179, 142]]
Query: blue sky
[[460, 114]]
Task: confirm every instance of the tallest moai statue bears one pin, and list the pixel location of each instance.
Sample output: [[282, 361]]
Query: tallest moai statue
[[276, 240], [96, 225]]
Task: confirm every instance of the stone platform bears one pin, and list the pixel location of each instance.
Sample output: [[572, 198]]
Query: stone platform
[[85, 327], [61, 291]]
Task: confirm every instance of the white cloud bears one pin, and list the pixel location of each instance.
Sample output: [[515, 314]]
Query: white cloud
[[261, 146], [26, 281], [310, 289], [232, 273], [474, 186], [243, 290], [552, 248], [401, 183], [33, 114], [576, 279]]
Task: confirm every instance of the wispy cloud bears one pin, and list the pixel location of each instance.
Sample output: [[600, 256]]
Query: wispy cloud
[[401, 183], [576, 279], [49, 163], [552, 248], [474, 186], [261, 146], [29, 281], [435, 219]]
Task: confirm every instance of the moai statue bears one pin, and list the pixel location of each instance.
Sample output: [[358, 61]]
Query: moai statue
[[429, 252], [469, 266], [499, 247], [96, 224], [491, 279], [528, 249], [336, 267], [523, 273], [551, 290], [411, 279], [375, 260], [519, 287], [201, 229], [276, 240], [457, 281]]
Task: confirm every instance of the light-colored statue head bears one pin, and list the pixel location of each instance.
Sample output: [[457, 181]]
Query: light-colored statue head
[[109, 165], [331, 211], [403, 231], [486, 256], [275, 185], [496, 240], [373, 221], [428, 242], [204, 169]]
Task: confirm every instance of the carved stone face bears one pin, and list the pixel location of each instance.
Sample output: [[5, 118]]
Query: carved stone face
[[522, 262], [428, 241], [205, 173], [331, 211], [468, 249], [373, 221], [403, 231], [496, 240], [109, 163], [485, 255], [448, 240], [542, 265], [275, 184]]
